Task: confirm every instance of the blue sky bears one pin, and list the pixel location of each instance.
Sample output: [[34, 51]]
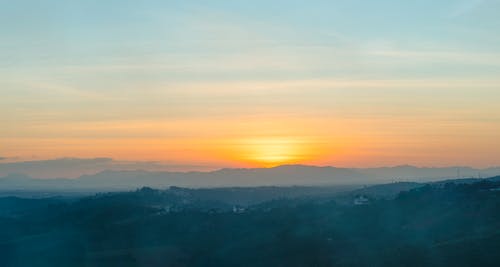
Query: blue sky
[[62, 33]]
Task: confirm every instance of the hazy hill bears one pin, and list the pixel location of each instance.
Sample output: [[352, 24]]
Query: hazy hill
[[286, 175], [432, 225]]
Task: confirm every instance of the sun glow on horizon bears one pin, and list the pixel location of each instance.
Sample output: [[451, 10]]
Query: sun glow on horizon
[[273, 151]]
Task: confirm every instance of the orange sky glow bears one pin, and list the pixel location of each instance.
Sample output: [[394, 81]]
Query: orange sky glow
[[231, 85]]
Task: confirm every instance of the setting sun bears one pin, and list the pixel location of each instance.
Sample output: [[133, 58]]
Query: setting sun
[[272, 151]]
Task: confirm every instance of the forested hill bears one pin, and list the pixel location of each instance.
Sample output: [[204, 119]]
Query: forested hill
[[441, 224]]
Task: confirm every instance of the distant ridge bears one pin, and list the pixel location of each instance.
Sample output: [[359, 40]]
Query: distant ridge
[[285, 175]]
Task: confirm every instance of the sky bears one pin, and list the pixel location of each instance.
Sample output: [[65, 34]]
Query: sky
[[208, 84]]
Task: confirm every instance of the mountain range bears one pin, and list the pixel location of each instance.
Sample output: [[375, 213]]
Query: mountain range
[[285, 175]]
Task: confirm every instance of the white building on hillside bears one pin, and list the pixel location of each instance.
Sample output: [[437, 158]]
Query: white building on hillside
[[361, 200]]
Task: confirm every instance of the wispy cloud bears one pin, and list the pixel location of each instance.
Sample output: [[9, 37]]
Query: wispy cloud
[[448, 56]]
